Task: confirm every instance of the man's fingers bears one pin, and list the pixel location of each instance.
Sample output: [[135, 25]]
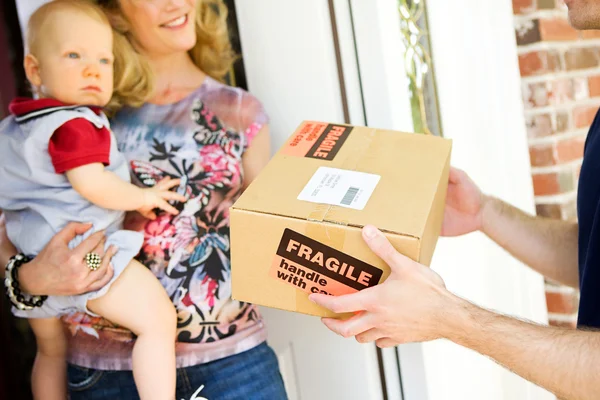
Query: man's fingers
[[71, 230], [342, 304], [385, 343], [384, 249], [369, 336], [90, 244], [455, 175], [352, 326]]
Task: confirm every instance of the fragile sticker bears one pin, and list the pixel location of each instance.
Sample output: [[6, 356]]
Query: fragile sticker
[[314, 267], [318, 140]]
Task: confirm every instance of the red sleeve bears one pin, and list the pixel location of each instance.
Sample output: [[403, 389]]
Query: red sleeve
[[78, 142]]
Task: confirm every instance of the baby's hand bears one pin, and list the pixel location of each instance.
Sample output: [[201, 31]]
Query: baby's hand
[[158, 197]]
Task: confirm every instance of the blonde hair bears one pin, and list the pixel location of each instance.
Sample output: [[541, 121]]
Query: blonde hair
[[213, 52], [133, 79], [133, 82], [42, 15]]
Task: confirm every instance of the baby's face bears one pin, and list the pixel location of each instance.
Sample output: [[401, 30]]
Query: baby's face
[[76, 60]]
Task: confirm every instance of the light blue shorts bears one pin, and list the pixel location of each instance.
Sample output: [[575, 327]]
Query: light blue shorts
[[129, 244]]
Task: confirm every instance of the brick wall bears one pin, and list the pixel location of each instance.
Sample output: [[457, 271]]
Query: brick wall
[[560, 70]]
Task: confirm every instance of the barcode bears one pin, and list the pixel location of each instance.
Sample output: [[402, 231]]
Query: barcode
[[349, 196]]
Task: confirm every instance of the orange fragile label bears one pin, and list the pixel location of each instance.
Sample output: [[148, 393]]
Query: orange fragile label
[[317, 140], [314, 267]]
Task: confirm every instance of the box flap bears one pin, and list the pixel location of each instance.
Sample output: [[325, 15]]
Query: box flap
[[410, 166]]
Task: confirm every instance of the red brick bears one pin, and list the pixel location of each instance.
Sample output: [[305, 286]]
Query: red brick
[[561, 91], [557, 29], [581, 58], [581, 89], [564, 211], [563, 324], [569, 210], [557, 92], [584, 116], [594, 85], [542, 156], [523, 6], [562, 303], [570, 149], [528, 33], [546, 4], [539, 62], [539, 126], [553, 183], [545, 184], [536, 94], [593, 34], [549, 210], [562, 121]]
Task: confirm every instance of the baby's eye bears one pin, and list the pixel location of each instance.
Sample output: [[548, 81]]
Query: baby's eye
[[73, 55], [105, 61]]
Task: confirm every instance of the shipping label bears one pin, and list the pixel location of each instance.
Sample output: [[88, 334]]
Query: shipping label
[[340, 187]]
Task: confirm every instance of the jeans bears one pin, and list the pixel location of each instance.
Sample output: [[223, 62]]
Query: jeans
[[252, 375]]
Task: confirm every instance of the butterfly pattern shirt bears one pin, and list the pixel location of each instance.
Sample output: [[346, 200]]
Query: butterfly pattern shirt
[[199, 140]]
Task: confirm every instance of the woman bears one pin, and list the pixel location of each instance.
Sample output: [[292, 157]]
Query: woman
[[215, 139]]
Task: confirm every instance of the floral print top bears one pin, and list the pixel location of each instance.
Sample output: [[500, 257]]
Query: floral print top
[[200, 140]]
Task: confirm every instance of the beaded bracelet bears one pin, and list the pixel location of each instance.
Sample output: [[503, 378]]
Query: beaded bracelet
[[13, 290]]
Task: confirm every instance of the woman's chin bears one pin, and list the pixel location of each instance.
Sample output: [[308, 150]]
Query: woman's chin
[[182, 44]]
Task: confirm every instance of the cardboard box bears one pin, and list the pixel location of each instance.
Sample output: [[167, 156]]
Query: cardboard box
[[297, 228]]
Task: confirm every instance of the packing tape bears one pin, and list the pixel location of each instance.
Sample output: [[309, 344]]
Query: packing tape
[[349, 163], [332, 234], [328, 234]]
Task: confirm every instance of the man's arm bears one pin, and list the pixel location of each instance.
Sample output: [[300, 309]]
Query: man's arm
[[413, 305], [548, 246], [561, 360]]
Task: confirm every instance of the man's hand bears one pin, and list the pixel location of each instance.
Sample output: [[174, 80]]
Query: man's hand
[[464, 205], [410, 306], [60, 271]]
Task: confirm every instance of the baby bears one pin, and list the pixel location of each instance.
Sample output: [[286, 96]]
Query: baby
[[59, 163]]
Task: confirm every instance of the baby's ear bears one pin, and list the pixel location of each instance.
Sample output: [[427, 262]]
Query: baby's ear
[[32, 70]]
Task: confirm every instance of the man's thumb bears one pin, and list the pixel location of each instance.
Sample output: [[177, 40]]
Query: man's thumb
[[381, 246]]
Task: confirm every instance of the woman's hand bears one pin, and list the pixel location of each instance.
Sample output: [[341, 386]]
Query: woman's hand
[[60, 271]]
